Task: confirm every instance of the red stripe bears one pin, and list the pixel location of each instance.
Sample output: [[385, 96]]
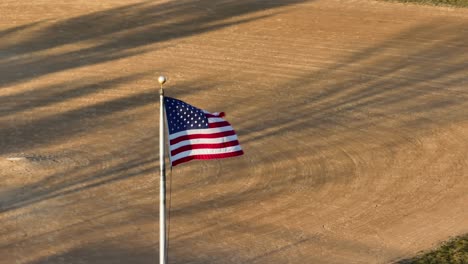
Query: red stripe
[[206, 157], [218, 124], [204, 146], [195, 136]]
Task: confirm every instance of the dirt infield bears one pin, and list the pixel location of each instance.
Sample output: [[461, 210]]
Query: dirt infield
[[353, 116]]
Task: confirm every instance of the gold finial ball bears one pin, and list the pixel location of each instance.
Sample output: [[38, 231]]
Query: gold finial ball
[[162, 79]]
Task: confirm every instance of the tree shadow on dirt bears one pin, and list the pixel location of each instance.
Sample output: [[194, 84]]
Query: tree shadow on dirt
[[110, 35], [115, 34], [323, 119], [40, 48], [119, 250], [410, 85], [403, 78], [102, 253], [92, 175]]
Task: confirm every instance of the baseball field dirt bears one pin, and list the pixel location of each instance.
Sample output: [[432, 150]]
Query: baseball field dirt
[[353, 116]]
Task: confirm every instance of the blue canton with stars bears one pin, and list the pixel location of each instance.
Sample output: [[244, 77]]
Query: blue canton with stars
[[182, 116]]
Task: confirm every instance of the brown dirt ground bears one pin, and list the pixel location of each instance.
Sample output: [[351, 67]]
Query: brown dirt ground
[[353, 116]]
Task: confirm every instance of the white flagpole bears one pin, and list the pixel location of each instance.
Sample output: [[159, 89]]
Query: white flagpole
[[162, 184]]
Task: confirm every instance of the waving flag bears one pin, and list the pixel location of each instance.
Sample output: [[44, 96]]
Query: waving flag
[[198, 134]]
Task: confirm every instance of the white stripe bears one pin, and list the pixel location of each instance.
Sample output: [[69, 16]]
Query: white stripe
[[200, 131], [205, 152], [203, 141], [215, 119], [206, 112], [215, 113]]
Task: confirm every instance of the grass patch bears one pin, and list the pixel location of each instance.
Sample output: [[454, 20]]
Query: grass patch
[[454, 251], [457, 3]]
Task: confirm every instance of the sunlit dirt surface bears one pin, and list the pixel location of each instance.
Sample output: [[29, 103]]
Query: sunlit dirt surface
[[353, 116]]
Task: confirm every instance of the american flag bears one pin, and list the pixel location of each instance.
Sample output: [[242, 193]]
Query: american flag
[[197, 134]]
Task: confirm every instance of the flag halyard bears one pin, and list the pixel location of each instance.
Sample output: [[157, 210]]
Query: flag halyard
[[198, 134]]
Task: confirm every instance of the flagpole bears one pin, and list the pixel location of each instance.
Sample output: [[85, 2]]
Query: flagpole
[[162, 184]]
